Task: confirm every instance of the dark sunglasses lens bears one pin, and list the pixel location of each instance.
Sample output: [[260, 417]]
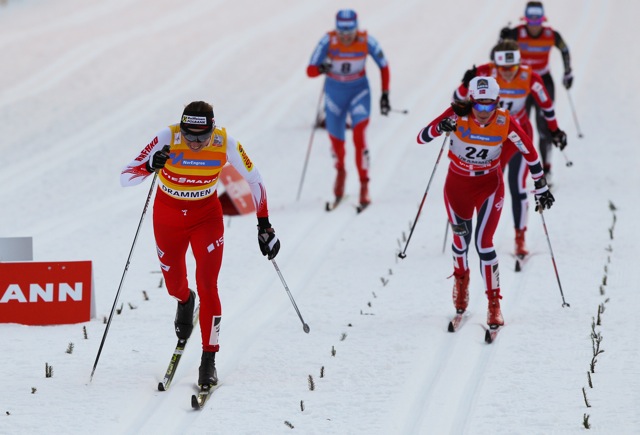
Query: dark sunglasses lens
[[196, 137]]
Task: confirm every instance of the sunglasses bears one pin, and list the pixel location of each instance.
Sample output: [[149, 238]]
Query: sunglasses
[[202, 137], [485, 107]]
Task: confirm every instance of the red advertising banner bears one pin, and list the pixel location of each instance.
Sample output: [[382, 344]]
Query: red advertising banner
[[46, 293], [237, 197]]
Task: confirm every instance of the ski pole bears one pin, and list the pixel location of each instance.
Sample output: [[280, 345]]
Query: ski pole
[[553, 260], [403, 253], [446, 233], [126, 267], [575, 117], [313, 132], [568, 161], [305, 327]]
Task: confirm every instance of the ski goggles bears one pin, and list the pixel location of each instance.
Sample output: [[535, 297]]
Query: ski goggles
[[196, 137], [534, 15], [485, 107]]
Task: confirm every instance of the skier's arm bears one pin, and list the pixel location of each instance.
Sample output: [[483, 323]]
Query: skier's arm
[[267, 240], [517, 136], [564, 50], [136, 171], [525, 146], [319, 62], [431, 131], [543, 101], [237, 156], [376, 53], [508, 33]]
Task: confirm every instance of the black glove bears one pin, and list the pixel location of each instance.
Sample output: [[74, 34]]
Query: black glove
[[268, 241], [544, 198], [325, 66], [385, 107], [505, 33], [559, 138], [159, 159], [446, 125], [567, 80], [468, 76]]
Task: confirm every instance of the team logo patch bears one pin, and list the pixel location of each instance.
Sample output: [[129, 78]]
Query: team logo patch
[[483, 86], [513, 137], [459, 229], [539, 89], [196, 120]]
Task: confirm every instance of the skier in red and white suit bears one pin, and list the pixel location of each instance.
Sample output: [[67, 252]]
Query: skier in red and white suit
[[188, 158], [478, 132], [517, 84]]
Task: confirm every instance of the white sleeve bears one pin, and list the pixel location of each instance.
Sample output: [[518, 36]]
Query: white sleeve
[[135, 172], [238, 158]]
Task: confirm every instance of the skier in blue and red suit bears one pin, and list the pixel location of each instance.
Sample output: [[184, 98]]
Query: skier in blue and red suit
[[341, 55]]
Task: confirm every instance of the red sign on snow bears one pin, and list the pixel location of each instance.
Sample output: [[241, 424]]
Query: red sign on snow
[[46, 293], [237, 198]]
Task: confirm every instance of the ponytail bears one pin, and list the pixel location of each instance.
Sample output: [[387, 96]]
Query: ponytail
[[462, 108]]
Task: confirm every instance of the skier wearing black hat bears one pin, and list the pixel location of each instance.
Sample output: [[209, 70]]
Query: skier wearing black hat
[[188, 158]]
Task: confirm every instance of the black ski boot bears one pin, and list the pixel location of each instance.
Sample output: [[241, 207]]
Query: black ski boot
[[184, 317], [208, 374]]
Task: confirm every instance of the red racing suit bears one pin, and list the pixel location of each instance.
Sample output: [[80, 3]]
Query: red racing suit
[[535, 52], [474, 183], [187, 212], [513, 96]]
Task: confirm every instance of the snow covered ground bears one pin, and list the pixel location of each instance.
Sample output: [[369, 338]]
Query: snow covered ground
[[86, 84]]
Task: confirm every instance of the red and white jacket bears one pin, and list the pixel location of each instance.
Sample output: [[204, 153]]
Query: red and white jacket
[[193, 176], [475, 149], [513, 94]]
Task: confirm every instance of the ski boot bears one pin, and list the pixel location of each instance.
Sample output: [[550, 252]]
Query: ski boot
[[494, 315], [461, 291], [521, 250], [207, 374], [184, 317], [338, 186], [364, 193]]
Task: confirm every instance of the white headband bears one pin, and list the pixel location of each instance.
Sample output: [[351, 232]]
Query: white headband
[[507, 58]]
